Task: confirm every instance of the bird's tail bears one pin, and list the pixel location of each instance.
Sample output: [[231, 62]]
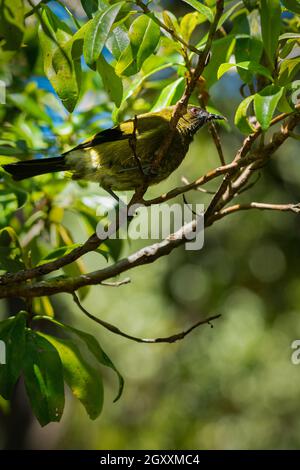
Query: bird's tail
[[29, 168]]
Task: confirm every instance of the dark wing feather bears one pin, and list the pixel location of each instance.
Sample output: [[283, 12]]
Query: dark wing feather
[[108, 135]]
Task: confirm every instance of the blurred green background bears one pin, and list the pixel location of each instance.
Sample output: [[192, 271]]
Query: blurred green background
[[232, 386]]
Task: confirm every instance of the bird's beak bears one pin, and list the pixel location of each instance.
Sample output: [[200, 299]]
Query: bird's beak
[[213, 117]]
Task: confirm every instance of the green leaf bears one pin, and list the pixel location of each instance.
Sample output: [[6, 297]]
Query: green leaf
[[169, 95], [287, 48], [221, 52], [228, 13], [136, 85], [59, 252], [252, 67], [62, 69], [10, 251], [115, 248], [270, 14], [292, 5], [287, 71], [98, 32], [247, 48], [284, 36], [265, 103], [6, 150], [84, 381], [19, 195], [188, 24], [291, 97], [111, 81], [12, 333], [12, 24], [91, 6], [118, 41], [144, 35], [251, 4], [94, 348], [43, 374], [169, 20], [240, 119], [29, 106], [207, 12]]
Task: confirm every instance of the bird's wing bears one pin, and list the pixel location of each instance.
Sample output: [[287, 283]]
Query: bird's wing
[[147, 125], [108, 135]]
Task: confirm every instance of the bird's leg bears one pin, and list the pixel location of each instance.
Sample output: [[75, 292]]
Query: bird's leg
[[111, 193]]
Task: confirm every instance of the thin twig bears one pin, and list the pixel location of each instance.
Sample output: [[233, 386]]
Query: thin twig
[[216, 138], [257, 205], [167, 339], [201, 190]]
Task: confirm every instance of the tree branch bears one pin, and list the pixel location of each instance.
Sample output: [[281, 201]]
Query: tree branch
[[257, 205], [181, 105], [143, 256], [167, 339]]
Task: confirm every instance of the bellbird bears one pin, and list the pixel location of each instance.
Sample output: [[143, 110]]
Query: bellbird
[[110, 159]]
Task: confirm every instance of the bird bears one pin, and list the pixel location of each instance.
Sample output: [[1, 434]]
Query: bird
[[122, 157]]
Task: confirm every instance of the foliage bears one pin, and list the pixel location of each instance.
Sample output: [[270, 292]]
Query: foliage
[[69, 74]]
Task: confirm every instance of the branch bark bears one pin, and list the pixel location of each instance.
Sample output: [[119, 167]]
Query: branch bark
[[167, 339]]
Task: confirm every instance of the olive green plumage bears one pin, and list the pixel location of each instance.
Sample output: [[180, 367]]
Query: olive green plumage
[[108, 157]]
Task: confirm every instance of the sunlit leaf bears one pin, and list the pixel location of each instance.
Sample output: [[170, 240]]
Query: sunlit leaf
[[253, 67], [63, 71], [84, 380], [188, 23], [197, 5], [94, 348], [118, 41], [228, 13], [241, 120], [98, 32], [144, 35], [169, 95], [265, 103], [43, 374]]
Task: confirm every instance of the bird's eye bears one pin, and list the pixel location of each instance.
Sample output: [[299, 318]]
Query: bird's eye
[[194, 110]]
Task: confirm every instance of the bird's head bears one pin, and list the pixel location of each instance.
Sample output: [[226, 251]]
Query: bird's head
[[196, 117]]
